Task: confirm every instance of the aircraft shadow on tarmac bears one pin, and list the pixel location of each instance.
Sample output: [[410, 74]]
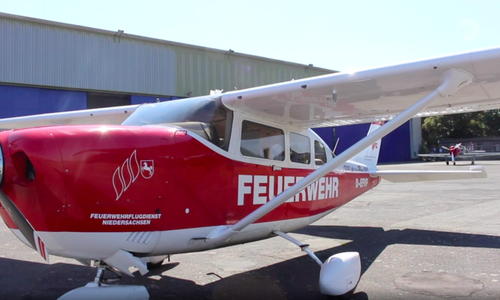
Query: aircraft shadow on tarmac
[[291, 279]]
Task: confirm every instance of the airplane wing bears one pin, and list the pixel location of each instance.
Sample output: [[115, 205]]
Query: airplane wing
[[376, 94], [338, 99], [434, 155], [478, 154], [423, 175], [462, 154], [108, 115]]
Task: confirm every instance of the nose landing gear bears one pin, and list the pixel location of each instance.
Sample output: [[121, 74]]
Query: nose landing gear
[[99, 289]]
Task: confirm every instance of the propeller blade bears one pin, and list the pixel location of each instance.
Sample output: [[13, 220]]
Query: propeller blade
[[445, 148], [24, 226], [18, 218]]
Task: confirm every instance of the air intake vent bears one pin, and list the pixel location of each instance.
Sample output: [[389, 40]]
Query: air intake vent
[[140, 237], [30, 170]]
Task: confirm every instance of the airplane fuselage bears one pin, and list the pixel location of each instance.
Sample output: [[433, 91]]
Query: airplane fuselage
[[90, 191]]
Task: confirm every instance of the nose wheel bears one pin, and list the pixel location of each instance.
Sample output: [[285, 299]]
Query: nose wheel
[[101, 289], [102, 267]]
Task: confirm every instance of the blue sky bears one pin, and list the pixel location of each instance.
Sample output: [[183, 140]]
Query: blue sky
[[340, 35]]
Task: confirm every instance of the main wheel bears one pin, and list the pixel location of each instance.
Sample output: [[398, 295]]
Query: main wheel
[[345, 296]]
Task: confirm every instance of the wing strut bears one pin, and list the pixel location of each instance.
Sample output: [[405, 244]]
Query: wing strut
[[451, 81]]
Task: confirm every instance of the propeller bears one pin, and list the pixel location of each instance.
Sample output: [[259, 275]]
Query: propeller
[[24, 226]]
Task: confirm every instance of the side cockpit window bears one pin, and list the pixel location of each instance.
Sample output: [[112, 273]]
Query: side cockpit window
[[262, 141], [215, 121], [300, 148], [319, 153]]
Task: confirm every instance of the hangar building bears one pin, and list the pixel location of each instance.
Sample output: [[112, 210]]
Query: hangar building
[[48, 67]]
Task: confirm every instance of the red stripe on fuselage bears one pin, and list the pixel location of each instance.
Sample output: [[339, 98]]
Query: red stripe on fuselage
[[41, 247]]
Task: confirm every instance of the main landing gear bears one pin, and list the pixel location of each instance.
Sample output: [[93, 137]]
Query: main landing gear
[[454, 163], [339, 274], [99, 289]]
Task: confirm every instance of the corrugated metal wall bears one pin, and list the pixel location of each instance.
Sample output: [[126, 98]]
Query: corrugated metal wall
[[43, 53]]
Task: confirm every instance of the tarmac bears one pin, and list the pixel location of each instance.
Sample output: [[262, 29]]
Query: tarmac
[[423, 240]]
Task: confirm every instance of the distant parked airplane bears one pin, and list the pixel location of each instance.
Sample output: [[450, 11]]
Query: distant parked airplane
[[461, 150]]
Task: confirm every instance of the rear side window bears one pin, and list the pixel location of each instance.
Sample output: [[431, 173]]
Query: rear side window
[[262, 141], [319, 153], [300, 148]]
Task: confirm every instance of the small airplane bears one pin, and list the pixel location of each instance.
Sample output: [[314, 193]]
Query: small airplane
[[213, 171], [459, 149]]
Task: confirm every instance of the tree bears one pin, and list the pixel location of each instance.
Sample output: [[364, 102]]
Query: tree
[[491, 121], [458, 126]]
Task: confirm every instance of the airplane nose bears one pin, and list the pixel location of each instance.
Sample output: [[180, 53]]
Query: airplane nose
[[32, 182], [13, 213]]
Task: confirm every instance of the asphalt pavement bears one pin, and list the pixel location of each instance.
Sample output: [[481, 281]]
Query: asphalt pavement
[[425, 240]]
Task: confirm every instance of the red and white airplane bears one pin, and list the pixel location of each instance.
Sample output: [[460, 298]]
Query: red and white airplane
[[459, 149], [223, 169]]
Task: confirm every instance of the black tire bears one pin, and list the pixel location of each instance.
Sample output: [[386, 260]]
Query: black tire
[[345, 296], [154, 266]]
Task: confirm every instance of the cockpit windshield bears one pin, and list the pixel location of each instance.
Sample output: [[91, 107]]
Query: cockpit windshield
[[205, 116]]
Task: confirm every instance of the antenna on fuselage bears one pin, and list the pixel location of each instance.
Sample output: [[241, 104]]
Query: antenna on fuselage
[[335, 148]]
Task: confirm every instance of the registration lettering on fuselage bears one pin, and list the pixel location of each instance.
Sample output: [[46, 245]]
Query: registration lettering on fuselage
[[361, 182]]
